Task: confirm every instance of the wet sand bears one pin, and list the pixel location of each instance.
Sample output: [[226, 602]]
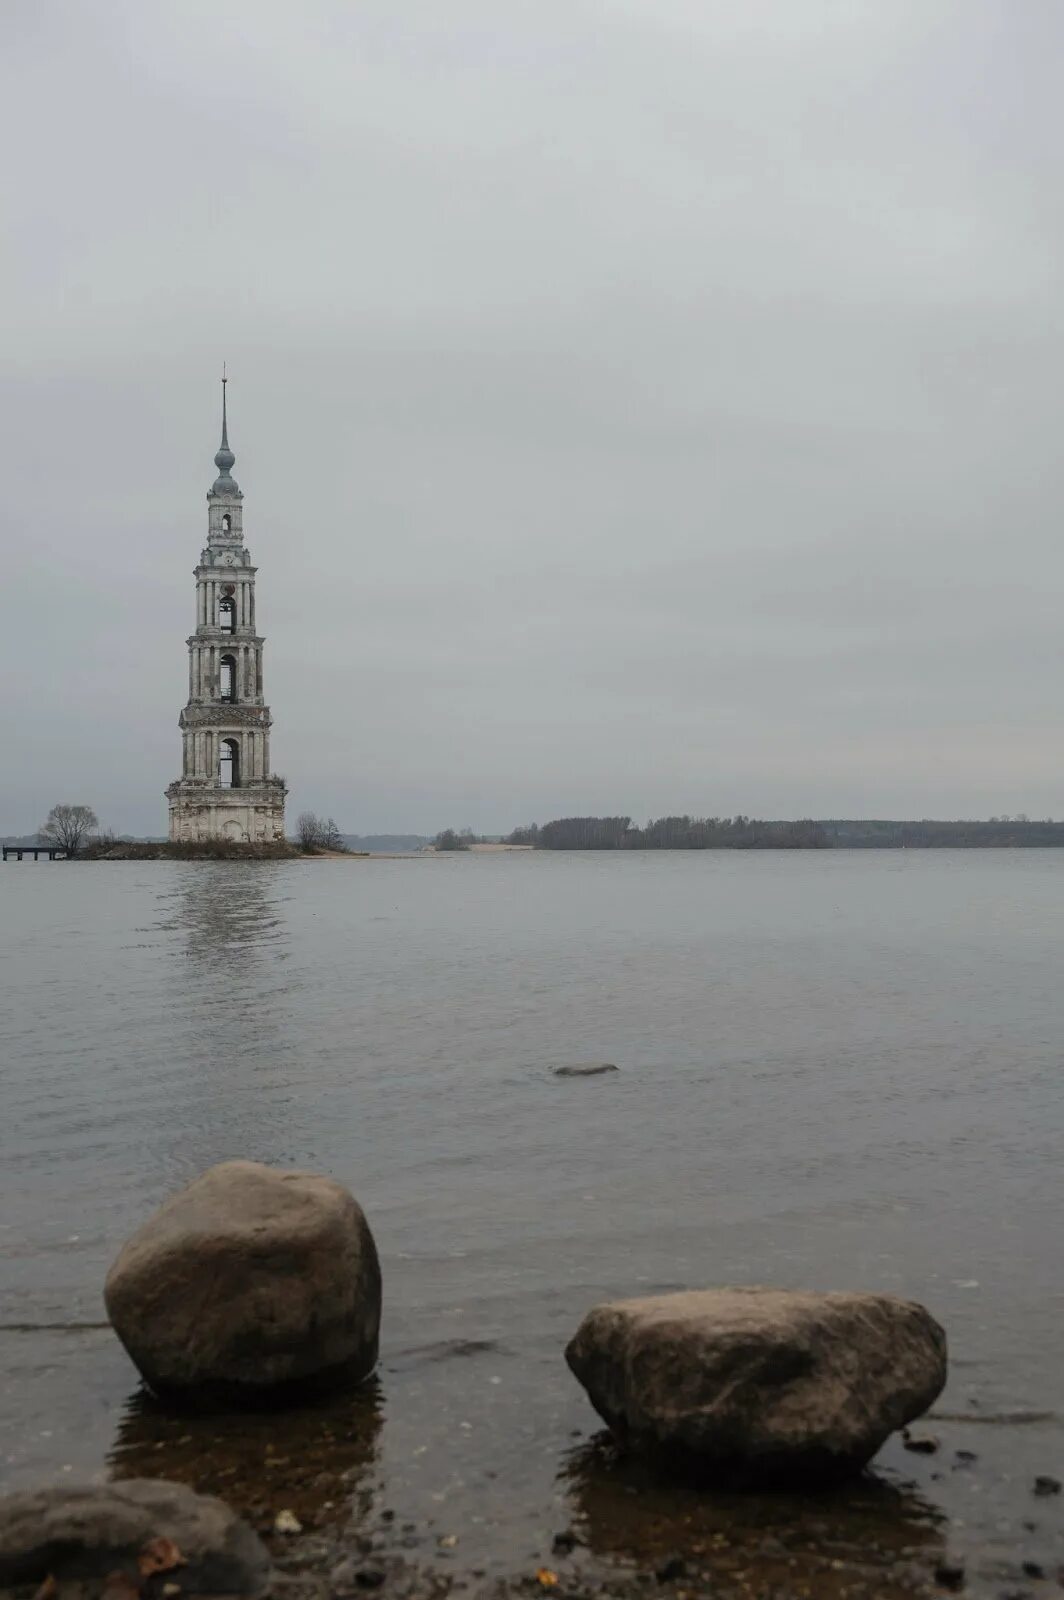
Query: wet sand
[[615, 1528]]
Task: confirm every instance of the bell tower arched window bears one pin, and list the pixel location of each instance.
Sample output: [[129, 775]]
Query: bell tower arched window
[[227, 678], [227, 522], [229, 764], [227, 614]]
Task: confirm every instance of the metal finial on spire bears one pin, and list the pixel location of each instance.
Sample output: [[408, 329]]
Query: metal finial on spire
[[225, 458]]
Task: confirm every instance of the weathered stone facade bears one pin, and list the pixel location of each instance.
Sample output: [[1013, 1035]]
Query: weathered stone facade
[[225, 789]]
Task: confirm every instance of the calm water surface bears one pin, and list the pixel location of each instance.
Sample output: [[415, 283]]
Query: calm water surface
[[836, 1070]]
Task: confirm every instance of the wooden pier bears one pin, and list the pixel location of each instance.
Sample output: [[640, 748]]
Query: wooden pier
[[54, 852]]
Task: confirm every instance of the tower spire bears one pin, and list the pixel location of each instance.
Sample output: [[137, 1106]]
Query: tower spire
[[224, 483]]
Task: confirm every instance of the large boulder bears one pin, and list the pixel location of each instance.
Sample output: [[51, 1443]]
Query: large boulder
[[750, 1386], [249, 1279], [144, 1528]]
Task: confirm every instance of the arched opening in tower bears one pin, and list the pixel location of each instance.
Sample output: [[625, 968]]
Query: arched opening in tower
[[227, 614], [226, 524], [227, 683], [229, 764]]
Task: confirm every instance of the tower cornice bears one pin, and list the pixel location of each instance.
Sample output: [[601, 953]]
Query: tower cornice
[[211, 635], [223, 716]]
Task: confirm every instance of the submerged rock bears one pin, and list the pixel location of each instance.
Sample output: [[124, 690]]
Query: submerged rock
[[584, 1069], [921, 1444], [140, 1527], [249, 1279], [752, 1386]]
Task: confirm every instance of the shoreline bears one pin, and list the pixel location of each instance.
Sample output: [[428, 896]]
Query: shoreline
[[340, 1513], [223, 851], [612, 1528]]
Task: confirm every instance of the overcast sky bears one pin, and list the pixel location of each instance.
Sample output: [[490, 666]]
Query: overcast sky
[[641, 405]]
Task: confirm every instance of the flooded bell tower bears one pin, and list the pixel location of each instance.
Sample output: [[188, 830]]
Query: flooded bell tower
[[225, 790]]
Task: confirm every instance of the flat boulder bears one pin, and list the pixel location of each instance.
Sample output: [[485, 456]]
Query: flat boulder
[[249, 1280], [151, 1531], [757, 1386]]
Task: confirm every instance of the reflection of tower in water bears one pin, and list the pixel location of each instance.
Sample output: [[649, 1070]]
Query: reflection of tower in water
[[230, 1073], [231, 1092], [228, 912]]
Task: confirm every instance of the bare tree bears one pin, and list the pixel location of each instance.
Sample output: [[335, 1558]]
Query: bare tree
[[310, 831], [67, 827], [318, 833]]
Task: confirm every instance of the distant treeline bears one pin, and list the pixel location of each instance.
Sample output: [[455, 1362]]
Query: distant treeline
[[995, 833], [746, 833], [671, 833]]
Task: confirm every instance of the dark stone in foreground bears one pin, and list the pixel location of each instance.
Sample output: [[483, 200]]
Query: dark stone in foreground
[[75, 1533], [248, 1280], [756, 1386]]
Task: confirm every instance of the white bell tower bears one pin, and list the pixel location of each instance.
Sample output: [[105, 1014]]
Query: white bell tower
[[225, 790]]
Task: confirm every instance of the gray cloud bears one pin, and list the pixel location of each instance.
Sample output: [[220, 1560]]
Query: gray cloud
[[639, 406]]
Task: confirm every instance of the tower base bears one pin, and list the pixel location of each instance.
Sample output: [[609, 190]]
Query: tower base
[[203, 810]]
